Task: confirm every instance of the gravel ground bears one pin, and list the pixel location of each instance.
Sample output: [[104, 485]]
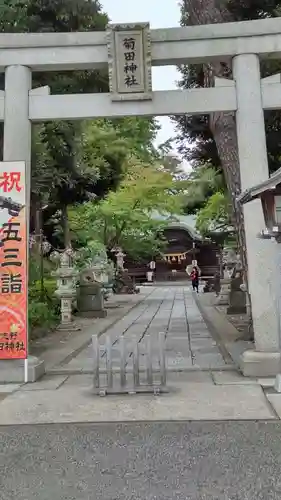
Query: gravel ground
[[183, 461]]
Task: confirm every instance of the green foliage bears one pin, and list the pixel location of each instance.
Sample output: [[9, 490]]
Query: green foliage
[[106, 147], [57, 172], [35, 268], [40, 315], [215, 215], [140, 134], [206, 197], [89, 252], [125, 217], [49, 291], [244, 10], [145, 241], [194, 136], [51, 16], [43, 309], [200, 138], [71, 161], [203, 182]]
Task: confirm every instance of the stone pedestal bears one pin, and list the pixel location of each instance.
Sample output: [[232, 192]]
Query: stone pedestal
[[107, 290], [149, 276], [237, 298], [69, 326], [90, 300], [259, 363], [12, 371], [91, 305], [67, 322], [217, 284], [223, 298], [124, 283], [207, 286]]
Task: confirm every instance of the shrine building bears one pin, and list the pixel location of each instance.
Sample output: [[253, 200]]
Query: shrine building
[[184, 245]]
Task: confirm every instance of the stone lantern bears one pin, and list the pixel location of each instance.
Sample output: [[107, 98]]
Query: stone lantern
[[229, 262], [120, 259], [66, 276], [269, 193]]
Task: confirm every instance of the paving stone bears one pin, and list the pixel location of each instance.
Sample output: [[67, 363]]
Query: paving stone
[[189, 377], [76, 363], [275, 401], [209, 358], [79, 381], [232, 378], [49, 382], [9, 388], [203, 342], [190, 402], [200, 335], [267, 382], [205, 351], [179, 363], [164, 310]]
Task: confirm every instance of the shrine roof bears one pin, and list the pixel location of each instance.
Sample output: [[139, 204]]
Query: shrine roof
[[185, 222]]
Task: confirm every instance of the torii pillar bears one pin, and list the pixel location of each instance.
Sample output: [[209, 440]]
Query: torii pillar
[[264, 359]]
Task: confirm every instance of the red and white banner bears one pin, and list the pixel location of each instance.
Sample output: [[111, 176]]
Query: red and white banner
[[13, 261]]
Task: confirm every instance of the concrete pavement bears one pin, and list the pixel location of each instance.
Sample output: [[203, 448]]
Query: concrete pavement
[[203, 385], [214, 436], [185, 401], [152, 461]]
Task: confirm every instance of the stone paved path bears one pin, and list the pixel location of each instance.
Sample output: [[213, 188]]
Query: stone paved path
[[173, 310], [202, 386]]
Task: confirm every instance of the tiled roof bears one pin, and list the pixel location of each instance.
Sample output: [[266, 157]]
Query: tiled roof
[[186, 222]]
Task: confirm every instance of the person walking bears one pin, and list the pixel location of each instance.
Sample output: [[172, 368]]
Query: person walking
[[195, 279]]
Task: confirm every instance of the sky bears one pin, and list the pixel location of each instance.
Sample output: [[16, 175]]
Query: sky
[[153, 11]]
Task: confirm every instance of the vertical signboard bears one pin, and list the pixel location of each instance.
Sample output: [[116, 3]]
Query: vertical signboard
[[129, 61], [13, 261]]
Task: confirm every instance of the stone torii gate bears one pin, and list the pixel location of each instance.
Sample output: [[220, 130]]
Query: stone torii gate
[[247, 95]]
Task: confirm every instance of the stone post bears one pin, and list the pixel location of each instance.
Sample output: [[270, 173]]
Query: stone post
[[17, 131], [223, 298], [261, 254], [17, 147], [66, 291], [120, 259], [228, 264], [90, 300]]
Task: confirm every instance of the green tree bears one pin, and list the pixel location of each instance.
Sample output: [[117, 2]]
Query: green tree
[[215, 216], [61, 170], [18, 16], [140, 134], [212, 139], [105, 147], [202, 183], [59, 140], [125, 217]]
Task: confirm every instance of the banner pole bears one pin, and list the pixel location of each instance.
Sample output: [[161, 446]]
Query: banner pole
[[26, 371]]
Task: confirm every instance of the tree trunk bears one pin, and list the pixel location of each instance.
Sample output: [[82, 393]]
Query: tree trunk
[[35, 223], [65, 227], [222, 125]]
